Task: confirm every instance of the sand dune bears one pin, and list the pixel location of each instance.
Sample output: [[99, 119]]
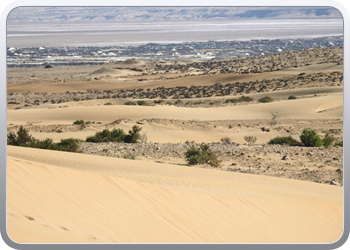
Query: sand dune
[[303, 108], [307, 108], [66, 197], [330, 105], [132, 82], [63, 197]]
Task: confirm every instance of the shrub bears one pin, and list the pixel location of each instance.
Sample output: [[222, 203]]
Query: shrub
[[70, 145], [158, 101], [203, 155], [12, 139], [25, 140], [287, 140], [79, 122], [310, 138], [226, 140], [250, 139], [240, 99], [178, 102], [245, 99], [130, 157], [102, 136], [21, 138], [292, 97], [231, 100], [117, 135], [130, 103], [44, 144], [108, 103], [328, 140], [338, 143], [142, 103], [134, 135], [265, 99]]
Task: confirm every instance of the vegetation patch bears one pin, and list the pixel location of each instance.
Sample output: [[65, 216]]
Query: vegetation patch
[[284, 140], [240, 99], [24, 139], [201, 155], [142, 103], [250, 139], [178, 102], [266, 99], [130, 103], [116, 135], [310, 138], [158, 101], [79, 122]]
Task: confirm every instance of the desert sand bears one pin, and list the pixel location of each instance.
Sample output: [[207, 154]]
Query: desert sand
[[97, 196], [65, 197]]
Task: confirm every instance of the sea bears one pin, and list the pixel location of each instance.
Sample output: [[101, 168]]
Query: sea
[[60, 34]]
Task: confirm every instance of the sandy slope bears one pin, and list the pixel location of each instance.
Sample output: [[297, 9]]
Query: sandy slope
[[66, 197], [330, 105], [302, 108], [131, 82]]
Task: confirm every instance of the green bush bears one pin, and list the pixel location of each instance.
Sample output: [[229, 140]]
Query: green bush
[[265, 99], [23, 139], [245, 99], [79, 122], [134, 135], [292, 97], [43, 144], [130, 157], [338, 143], [328, 140], [310, 138], [130, 103], [69, 145], [178, 102], [142, 103], [284, 140], [101, 136], [203, 155], [240, 99], [108, 103], [158, 101], [116, 135]]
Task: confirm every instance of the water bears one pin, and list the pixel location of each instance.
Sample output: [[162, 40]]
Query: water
[[133, 33]]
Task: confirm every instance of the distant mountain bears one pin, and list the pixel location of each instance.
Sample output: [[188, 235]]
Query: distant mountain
[[86, 14], [290, 13]]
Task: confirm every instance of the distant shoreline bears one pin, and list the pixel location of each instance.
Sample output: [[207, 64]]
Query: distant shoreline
[[60, 34]]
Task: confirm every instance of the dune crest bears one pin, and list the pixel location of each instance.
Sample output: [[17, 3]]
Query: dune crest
[[330, 105]]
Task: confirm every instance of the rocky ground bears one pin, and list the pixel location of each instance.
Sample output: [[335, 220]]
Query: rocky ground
[[296, 162], [292, 127], [303, 80], [170, 71], [303, 163]]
